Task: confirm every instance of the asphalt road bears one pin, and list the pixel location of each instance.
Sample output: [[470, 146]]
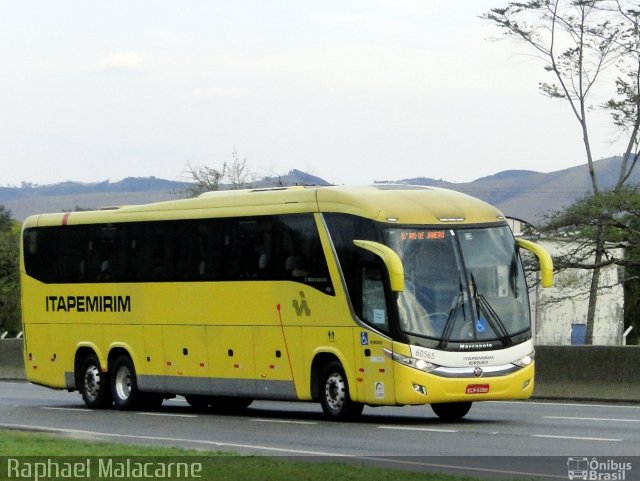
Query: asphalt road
[[497, 440]]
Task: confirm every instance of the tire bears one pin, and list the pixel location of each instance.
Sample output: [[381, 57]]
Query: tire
[[451, 411], [124, 385], [93, 384], [334, 395]]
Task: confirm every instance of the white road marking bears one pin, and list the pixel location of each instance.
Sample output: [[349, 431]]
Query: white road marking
[[87, 410], [545, 403], [168, 415], [278, 450], [617, 420], [282, 421], [576, 438], [179, 440], [51, 408], [410, 428]]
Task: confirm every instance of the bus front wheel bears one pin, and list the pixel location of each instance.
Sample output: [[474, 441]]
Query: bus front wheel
[[334, 394], [94, 384], [124, 384], [451, 411]]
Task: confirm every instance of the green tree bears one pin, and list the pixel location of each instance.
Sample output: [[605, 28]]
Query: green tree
[[615, 215], [203, 179], [238, 173], [577, 41], [235, 173], [9, 272]]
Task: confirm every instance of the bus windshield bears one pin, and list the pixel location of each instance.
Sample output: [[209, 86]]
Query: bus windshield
[[461, 285]]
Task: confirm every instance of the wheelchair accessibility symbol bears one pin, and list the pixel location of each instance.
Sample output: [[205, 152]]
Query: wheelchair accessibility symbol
[[481, 325], [364, 338]]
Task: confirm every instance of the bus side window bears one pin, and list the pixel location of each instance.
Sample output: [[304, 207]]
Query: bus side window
[[374, 306], [298, 252]]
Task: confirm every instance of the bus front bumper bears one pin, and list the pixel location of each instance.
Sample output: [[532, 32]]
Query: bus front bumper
[[417, 387]]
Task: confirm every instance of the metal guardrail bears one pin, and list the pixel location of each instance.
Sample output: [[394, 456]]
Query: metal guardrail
[[588, 373], [11, 359], [562, 372]]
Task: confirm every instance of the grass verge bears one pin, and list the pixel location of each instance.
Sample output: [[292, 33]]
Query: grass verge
[[40, 457]]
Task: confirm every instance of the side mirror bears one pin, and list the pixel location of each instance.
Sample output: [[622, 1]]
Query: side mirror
[[546, 263], [391, 261]]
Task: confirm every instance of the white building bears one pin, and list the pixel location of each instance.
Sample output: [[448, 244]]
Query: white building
[[559, 313]]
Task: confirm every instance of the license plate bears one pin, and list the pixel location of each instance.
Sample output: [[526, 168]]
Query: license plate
[[477, 388]]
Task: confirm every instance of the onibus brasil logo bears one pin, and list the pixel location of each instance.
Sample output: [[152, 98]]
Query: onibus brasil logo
[[597, 469]]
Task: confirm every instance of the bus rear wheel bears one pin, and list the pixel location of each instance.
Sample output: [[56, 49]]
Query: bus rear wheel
[[124, 384], [94, 384], [451, 411], [334, 395]]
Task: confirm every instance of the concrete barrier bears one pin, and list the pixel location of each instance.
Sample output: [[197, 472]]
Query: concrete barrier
[[11, 359], [588, 373], [593, 373]]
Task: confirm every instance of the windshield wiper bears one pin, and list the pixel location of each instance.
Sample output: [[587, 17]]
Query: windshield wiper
[[453, 314], [483, 306]]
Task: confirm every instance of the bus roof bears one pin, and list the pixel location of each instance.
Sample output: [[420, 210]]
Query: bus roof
[[392, 203]]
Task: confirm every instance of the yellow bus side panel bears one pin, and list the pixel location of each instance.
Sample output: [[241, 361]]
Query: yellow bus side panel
[[270, 351], [154, 360], [128, 337], [300, 371], [335, 341], [44, 356], [375, 383], [231, 352], [192, 338], [185, 351], [51, 349]]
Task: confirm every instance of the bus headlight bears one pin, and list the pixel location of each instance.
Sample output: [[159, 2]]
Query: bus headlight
[[419, 364], [525, 361]]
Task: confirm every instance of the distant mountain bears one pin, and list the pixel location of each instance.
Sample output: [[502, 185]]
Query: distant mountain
[[35, 199], [30, 199], [294, 177], [524, 194], [531, 195], [130, 184]]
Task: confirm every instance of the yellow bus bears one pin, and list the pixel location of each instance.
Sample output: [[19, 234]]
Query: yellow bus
[[348, 296]]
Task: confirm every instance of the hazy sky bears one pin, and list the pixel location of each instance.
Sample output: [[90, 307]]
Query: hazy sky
[[349, 91]]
